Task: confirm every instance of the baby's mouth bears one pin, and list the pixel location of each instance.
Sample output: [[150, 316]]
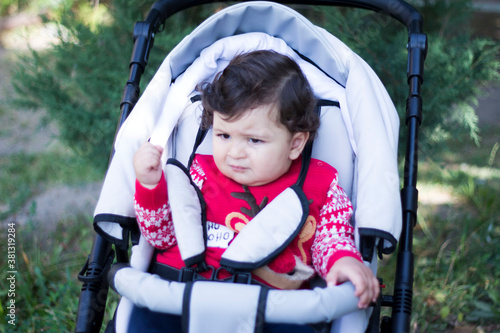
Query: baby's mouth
[[237, 168]]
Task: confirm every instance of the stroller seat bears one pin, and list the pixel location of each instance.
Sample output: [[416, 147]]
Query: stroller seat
[[359, 139]]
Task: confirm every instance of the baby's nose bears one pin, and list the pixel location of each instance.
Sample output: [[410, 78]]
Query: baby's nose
[[237, 150]]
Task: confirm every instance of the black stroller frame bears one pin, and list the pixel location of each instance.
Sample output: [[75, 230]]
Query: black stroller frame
[[94, 291]]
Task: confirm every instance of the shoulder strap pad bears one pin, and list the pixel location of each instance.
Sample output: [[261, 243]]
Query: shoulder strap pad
[[269, 232], [188, 215]]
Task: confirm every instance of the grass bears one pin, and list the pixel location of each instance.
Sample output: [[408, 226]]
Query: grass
[[48, 259], [457, 244], [456, 272], [47, 288]]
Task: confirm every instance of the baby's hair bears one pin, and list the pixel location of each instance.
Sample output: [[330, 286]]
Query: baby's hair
[[262, 78]]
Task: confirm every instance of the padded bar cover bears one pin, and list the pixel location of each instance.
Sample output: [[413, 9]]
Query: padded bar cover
[[149, 290], [283, 306], [232, 307]]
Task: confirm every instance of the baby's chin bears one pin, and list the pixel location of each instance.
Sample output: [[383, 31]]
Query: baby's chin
[[246, 180], [245, 177]]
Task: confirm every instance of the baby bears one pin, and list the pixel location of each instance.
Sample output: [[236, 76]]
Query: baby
[[261, 111]]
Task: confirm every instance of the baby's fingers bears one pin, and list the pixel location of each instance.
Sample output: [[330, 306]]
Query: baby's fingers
[[147, 164], [366, 288], [364, 293], [332, 279], [376, 289]]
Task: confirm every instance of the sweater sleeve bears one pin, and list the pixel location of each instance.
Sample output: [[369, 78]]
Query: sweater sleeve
[[153, 211], [334, 238], [153, 214]]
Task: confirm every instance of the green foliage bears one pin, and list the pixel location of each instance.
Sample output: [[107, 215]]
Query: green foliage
[[80, 80], [9, 6], [456, 68], [458, 281]]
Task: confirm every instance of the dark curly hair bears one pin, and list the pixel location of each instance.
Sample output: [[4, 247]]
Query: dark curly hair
[[262, 78]]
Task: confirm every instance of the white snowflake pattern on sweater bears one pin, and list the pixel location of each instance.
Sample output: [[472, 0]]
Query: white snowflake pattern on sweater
[[156, 226], [334, 232]]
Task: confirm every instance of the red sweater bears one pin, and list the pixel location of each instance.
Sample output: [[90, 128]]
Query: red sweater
[[326, 237]]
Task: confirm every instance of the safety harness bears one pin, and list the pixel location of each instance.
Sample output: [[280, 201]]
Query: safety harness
[[286, 215]]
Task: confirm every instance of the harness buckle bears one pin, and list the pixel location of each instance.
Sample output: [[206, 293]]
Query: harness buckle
[[236, 277], [242, 277], [212, 276], [190, 274]]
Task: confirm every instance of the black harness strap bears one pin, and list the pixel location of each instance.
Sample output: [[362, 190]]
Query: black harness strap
[[186, 300], [307, 153], [260, 318], [200, 136], [174, 274]]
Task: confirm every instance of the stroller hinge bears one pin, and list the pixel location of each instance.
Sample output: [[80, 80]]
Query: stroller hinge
[[417, 51], [409, 200]]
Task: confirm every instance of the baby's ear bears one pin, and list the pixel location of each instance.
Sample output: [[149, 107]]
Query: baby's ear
[[297, 144]]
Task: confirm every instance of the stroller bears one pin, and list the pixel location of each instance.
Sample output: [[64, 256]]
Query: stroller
[[168, 114]]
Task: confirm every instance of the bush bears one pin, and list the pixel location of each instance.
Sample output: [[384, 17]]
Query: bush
[[80, 81], [456, 68]]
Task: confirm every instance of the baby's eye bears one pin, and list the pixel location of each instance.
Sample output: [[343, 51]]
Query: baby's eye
[[224, 136], [255, 141]]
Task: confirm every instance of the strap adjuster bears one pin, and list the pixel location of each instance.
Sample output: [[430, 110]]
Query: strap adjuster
[[187, 274]]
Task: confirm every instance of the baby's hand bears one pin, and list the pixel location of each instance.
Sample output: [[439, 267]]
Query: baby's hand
[[147, 165], [365, 283]]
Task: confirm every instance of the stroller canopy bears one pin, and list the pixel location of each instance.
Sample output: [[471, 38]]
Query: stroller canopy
[[367, 165]]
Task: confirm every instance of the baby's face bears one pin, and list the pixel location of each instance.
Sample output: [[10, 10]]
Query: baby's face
[[254, 149]]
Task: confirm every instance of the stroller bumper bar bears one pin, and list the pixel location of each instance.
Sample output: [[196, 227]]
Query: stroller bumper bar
[[294, 307]]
